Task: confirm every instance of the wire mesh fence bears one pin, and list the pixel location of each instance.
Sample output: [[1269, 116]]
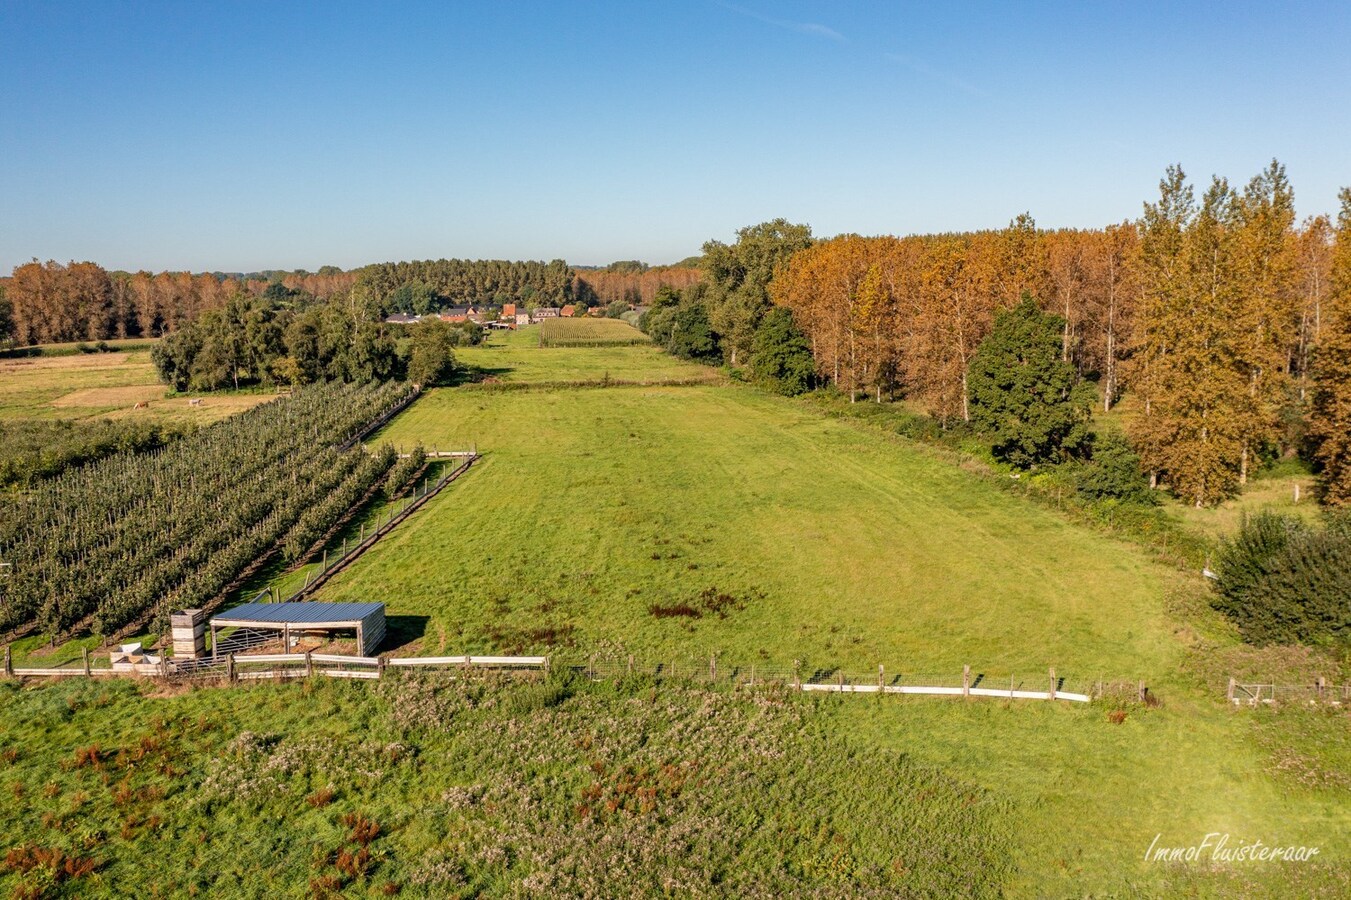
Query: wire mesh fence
[[1269, 693]]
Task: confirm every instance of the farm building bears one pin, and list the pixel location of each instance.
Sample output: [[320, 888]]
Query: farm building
[[546, 312], [367, 620]]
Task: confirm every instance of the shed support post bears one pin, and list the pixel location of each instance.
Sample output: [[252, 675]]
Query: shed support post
[[286, 637]]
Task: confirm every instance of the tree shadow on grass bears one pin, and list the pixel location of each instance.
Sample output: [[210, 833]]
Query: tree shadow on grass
[[401, 632], [475, 374]]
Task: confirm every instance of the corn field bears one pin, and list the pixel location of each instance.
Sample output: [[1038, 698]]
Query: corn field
[[589, 333]]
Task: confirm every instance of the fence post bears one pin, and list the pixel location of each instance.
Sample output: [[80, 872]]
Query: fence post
[[839, 679], [1141, 690], [880, 678], [163, 664], [752, 674], [966, 681], [380, 664], [630, 664], [546, 667], [230, 667], [797, 679], [9, 663], [309, 665], [84, 656], [591, 668], [1053, 685], [713, 667], [1230, 694], [1321, 684], [325, 566]]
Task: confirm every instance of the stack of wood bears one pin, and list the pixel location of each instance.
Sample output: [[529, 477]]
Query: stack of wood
[[188, 633]]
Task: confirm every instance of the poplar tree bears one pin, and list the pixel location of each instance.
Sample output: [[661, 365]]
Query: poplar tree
[[1330, 421]]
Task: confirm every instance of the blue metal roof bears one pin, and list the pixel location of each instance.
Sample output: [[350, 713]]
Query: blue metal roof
[[301, 613]]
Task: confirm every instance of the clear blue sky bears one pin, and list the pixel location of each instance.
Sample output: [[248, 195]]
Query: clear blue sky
[[275, 135]]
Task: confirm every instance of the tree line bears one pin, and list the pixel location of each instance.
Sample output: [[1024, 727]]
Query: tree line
[[53, 302], [422, 286], [1221, 323], [268, 341]]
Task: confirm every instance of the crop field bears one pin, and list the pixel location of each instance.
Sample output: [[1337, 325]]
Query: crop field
[[103, 385], [589, 332]]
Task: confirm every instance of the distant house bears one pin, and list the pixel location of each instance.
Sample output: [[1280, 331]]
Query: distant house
[[522, 318], [568, 311], [508, 312], [547, 312], [401, 319], [456, 314]]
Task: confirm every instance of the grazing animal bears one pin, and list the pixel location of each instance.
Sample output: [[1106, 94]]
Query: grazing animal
[[143, 404], [195, 401]]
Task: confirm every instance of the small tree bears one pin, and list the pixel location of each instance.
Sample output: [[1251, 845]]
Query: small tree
[[1114, 472], [781, 358], [1023, 394], [432, 360]]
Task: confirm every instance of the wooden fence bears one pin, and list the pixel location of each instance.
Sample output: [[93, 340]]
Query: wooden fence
[[282, 666], [1261, 694]]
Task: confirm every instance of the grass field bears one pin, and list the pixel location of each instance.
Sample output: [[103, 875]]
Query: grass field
[[102, 385], [589, 332], [834, 544], [514, 357], [843, 548]]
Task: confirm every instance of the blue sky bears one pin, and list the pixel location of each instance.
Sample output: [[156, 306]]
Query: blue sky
[[243, 136]]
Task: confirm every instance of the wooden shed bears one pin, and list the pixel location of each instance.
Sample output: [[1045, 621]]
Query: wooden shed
[[366, 619]]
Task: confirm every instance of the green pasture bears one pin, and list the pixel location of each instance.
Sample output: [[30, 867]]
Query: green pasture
[[674, 524], [516, 357]]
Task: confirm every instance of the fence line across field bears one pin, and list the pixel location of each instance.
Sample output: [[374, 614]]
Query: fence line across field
[[244, 666]]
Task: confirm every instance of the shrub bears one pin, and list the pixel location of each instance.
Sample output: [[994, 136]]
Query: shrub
[[1114, 473], [1282, 580]]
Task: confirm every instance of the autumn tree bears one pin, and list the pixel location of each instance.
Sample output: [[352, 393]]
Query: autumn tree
[[1330, 420]]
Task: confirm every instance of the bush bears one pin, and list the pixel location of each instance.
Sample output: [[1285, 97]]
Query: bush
[[1282, 580], [1114, 473]]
